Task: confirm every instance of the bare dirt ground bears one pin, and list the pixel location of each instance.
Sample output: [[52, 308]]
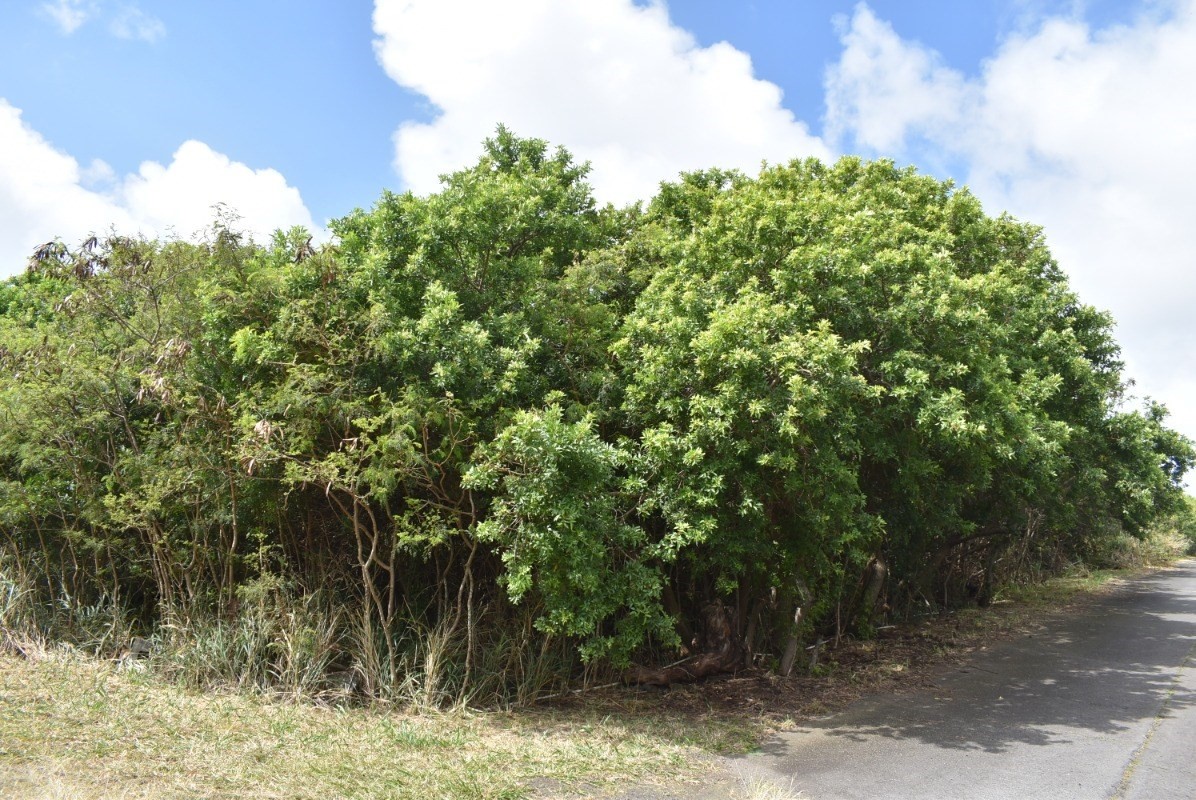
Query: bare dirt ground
[[901, 657]]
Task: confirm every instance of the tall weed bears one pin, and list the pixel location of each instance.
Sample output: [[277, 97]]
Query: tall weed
[[287, 646]]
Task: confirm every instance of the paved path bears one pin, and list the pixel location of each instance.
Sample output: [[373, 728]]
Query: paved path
[[1099, 704]]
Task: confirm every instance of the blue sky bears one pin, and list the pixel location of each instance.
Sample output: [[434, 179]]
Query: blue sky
[[1077, 115], [295, 86]]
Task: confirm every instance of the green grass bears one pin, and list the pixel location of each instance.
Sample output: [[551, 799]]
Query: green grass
[[76, 727], [1060, 591]]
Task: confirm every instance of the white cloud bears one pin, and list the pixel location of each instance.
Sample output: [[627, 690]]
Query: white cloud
[[883, 86], [1089, 133], [44, 194], [133, 23], [181, 194], [128, 21], [616, 83], [69, 15]]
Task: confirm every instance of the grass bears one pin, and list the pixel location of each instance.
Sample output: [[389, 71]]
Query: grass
[[763, 790], [1061, 591], [77, 727], [72, 726]]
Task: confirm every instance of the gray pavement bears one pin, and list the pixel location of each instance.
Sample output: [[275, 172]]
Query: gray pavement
[[1098, 704]]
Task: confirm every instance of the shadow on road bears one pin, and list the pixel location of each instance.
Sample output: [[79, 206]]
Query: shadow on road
[[1098, 672]]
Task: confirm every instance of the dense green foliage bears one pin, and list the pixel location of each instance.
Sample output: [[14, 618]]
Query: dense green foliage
[[493, 427]]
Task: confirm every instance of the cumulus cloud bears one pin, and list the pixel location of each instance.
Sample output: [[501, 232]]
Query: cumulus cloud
[[1089, 133], [882, 86], [181, 194], [45, 193], [615, 82]]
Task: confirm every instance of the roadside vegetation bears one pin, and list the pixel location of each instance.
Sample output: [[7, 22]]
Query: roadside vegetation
[[73, 726], [497, 443]]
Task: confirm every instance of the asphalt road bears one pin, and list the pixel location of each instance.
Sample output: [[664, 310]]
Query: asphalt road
[[1099, 704]]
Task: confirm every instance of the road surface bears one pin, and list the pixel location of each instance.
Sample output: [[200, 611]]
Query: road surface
[[1099, 704]]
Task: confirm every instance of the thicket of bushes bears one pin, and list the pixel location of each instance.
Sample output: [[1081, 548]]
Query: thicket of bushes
[[493, 436]]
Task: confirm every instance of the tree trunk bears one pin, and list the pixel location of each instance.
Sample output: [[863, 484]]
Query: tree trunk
[[722, 654]]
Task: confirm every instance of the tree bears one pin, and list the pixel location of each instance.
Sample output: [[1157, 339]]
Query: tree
[[492, 430]]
